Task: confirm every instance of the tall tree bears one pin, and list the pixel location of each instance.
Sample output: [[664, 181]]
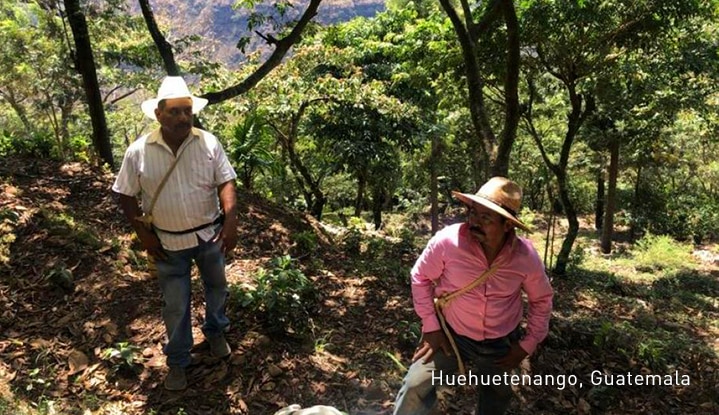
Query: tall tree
[[85, 65], [575, 43], [474, 29]]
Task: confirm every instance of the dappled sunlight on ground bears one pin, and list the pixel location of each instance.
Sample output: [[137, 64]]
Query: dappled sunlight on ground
[[74, 286]]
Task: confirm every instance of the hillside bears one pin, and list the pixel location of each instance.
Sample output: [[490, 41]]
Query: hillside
[[220, 26], [74, 290]]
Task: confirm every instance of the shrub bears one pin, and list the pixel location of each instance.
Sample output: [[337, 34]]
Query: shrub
[[305, 243], [352, 241], [377, 247], [123, 356], [661, 252], [283, 298], [9, 220], [39, 145]]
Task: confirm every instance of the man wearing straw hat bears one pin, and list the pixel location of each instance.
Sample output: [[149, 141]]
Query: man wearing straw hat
[[467, 289], [186, 185]]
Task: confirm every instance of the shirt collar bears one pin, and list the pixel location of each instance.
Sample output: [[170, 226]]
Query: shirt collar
[[156, 136]]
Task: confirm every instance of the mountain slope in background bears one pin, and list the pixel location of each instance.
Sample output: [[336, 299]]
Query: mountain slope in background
[[220, 26]]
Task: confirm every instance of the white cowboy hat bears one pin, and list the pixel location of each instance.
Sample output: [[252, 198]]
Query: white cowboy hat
[[172, 87], [499, 194]]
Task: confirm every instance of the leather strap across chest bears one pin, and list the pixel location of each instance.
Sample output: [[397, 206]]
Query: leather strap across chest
[[443, 301]]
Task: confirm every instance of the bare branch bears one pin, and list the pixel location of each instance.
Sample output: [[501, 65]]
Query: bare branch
[[121, 97], [271, 40]]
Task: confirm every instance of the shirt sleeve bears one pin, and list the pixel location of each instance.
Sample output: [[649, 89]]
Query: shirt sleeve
[[127, 181], [223, 169], [429, 267], [539, 296]]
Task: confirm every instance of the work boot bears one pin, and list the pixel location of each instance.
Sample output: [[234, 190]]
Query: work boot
[[176, 379], [218, 346]]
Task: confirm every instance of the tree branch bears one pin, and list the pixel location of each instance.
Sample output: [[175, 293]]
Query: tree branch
[[491, 13], [282, 46], [529, 122], [269, 39], [163, 46], [123, 96]]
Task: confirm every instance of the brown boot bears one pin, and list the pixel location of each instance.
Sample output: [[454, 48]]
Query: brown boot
[[218, 346], [176, 379]]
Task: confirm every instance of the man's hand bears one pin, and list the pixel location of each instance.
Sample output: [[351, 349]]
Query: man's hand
[[513, 358], [228, 236], [151, 243], [228, 201], [432, 342]]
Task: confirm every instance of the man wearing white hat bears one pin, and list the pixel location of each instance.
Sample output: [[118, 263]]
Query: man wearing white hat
[[185, 182], [467, 288]]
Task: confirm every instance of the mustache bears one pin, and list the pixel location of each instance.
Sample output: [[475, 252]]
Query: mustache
[[476, 229]]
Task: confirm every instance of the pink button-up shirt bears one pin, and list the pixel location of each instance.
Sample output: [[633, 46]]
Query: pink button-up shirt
[[452, 259]]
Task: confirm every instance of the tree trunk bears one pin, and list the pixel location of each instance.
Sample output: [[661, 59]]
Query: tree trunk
[[433, 186], [66, 105], [569, 210], [318, 206], [359, 199], [599, 204], [19, 110], [469, 33], [303, 175], [378, 202], [577, 116], [467, 38], [246, 176], [635, 203], [163, 46], [500, 165], [85, 64], [608, 228]]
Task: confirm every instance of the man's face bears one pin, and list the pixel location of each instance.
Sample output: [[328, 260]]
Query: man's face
[[486, 225], [175, 116]]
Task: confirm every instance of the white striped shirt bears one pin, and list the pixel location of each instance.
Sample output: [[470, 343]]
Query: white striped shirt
[[189, 198]]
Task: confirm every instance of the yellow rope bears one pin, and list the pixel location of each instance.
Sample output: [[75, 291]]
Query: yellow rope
[[443, 301]]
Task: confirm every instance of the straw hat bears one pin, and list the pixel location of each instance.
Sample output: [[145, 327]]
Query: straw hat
[[172, 87], [499, 194]]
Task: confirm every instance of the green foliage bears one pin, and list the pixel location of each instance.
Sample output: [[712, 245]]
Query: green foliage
[[352, 241], [6, 406], [249, 149], [64, 225], [123, 356], [410, 333], [654, 348], [662, 252], [304, 243], [9, 220], [689, 289], [18, 144], [400, 366], [377, 247], [36, 380], [283, 297]]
